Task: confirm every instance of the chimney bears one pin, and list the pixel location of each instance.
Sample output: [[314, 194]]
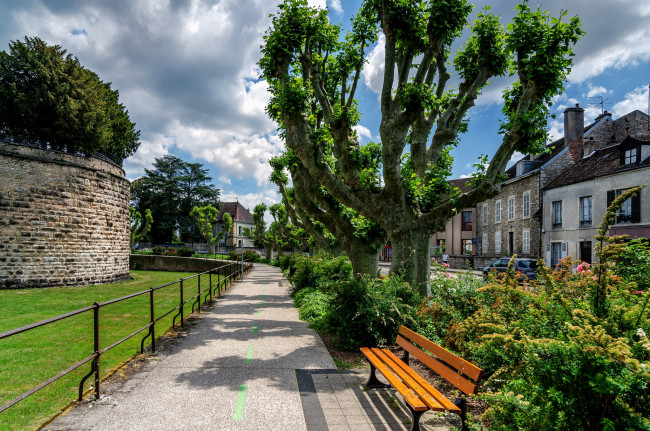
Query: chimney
[[574, 124]]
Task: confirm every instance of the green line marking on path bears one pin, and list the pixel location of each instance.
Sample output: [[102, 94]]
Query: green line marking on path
[[262, 296], [249, 356], [261, 302], [239, 405], [255, 329], [259, 312]]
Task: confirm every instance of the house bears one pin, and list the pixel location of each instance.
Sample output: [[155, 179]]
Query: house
[[511, 222], [576, 201], [242, 219], [459, 235]]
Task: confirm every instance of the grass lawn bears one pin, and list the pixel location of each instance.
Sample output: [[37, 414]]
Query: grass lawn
[[34, 356]]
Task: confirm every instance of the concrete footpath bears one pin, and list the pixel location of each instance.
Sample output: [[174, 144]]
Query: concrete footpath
[[249, 363]]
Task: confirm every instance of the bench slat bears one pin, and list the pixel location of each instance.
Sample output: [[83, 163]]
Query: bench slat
[[406, 392], [443, 370], [465, 367], [435, 393]]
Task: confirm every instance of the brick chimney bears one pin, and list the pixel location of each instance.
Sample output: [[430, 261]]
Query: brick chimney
[[574, 124]]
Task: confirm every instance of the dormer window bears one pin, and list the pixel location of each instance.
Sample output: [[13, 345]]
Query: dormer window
[[630, 156]]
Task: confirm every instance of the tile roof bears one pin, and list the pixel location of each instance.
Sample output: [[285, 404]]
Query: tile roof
[[236, 211], [601, 162]]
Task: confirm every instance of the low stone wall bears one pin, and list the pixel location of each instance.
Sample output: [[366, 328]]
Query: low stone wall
[[467, 261], [142, 262]]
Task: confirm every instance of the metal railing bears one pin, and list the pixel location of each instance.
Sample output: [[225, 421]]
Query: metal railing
[[45, 145], [225, 275]]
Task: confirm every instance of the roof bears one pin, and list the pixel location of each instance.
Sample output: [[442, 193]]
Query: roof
[[236, 211], [602, 162]]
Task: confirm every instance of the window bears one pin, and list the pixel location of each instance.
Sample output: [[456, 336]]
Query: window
[[497, 242], [484, 243], [526, 205], [557, 214], [511, 208], [239, 244], [630, 212], [585, 251], [467, 246], [497, 212], [630, 156], [485, 216], [525, 241], [585, 211], [467, 220], [240, 230]]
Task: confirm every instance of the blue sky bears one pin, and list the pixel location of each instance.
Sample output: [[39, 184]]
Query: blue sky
[[186, 71]]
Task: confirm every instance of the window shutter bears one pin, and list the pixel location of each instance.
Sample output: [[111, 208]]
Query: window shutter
[[611, 195], [636, 209]]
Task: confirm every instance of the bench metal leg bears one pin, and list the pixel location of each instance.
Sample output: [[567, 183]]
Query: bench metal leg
[[373, 382], [415, 416], [405, 357], [461, 403]]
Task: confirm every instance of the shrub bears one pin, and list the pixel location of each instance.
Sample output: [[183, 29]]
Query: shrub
[[313, 307], [185, 252], [369, 312], [248, 254], [158, 250], [171, 251], [319, 271]]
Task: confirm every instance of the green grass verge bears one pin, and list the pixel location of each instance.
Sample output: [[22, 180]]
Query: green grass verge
[[32, 357]]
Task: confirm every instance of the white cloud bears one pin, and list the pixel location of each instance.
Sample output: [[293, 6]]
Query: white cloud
[[597, 91], [158, 147], [636, 99], [335, 5], [516, 156], [373, 71], [362, 131]]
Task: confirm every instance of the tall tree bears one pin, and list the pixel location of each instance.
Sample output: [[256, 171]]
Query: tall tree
[[313, 76], [171, 190], [140, 226], [46, 95]]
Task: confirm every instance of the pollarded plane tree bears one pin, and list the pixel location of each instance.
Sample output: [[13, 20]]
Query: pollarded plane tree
[[313, 76], [359, 237], [281, 235]]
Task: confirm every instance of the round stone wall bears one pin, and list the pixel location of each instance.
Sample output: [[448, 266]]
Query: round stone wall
[[64, 219]]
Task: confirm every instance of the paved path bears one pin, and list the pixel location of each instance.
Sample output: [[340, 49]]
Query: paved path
[[248, 364]]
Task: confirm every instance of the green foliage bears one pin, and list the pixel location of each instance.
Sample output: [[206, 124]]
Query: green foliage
[[158, 250], [248, 254], [139, 227], [633, 263], [369, 312], [45, 94], [171, 190], [185, 252], [204, 216], [313, 307]]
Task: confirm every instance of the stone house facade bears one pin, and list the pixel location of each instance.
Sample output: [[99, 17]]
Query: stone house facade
[[511, 222], [459, 235], [576, 201], [241, 219]]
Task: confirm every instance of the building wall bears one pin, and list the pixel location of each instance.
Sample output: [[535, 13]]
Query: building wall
[[570, 195], [235, 236], [453, 235], [64, 219], [526, 183]]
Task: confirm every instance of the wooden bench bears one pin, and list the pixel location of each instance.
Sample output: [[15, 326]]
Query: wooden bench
[[421, 396]]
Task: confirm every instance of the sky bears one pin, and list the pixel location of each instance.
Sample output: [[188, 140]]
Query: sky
[[186, 71]]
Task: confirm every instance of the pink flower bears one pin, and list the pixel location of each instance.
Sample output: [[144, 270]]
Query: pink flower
[[583, 267], [446, 265], [638, 292]]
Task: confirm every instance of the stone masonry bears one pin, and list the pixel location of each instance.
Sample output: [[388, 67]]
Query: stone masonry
[[64, 219]]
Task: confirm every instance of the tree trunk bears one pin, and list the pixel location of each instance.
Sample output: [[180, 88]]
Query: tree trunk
[[364, 258], [212, 247], [411, 257], [269, 253]]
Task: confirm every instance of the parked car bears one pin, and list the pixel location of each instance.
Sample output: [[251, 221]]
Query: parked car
[[528, 267]]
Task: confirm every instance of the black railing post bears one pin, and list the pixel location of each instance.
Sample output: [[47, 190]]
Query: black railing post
[[152, 328], [198, 283], [181, 310], [210, 283], [96, 346]]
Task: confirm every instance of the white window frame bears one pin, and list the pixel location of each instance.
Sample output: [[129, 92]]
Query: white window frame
[[484, 244], [525, 241], [497, 242], [511, 208], [525, 205], [485, 214], [630, 156], [497, 211]]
